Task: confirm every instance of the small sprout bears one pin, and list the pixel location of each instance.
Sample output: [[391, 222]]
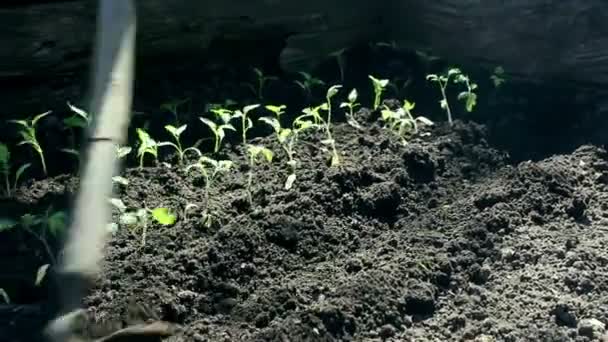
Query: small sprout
[[246, 122], [262, 80], [277, 110], [456, 76], [172, 107], [80, 118], [335, 157], [379, 87], [402, 121], [53, 223], [176, 133], [210, 169], [498, 76], [351, 105], [147, 145], [255, 152], [307, 83], [163, 216], [140, 218], [219, 131], [28, 133], [468, 95]]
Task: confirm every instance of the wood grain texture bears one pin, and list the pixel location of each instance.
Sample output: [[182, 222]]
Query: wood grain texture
[[564, 40], [54, 38]]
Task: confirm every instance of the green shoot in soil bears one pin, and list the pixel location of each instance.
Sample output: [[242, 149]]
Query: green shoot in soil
[[402, 122], [5, 167], [140, 218], [147, 145], [246, 122], [210, 169], [255, 152], [379, 87], [176, 133], [219, 130], [28, 133], [351, 105], [80, 119], [287, 138], [469, 97], [456, 76], [335, 157]]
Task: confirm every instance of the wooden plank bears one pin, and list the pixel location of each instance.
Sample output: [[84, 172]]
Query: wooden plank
[[552, 40], [56, 38]]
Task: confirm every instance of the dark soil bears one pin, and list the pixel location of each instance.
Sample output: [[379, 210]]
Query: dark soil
[[440, 240], [454, 237]]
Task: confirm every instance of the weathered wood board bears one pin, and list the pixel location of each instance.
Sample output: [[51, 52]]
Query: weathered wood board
[[51, 38], [548, 39]]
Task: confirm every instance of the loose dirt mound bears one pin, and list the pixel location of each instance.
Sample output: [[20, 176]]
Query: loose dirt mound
[[440, 240]]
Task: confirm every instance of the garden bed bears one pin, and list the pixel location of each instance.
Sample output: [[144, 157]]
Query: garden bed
[[445, 238]]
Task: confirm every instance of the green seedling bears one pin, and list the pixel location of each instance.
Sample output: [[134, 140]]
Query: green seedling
[[261, 81], [402, 121], [255, 152], [80, 119], [456, 76], [219, 132], [53, 223], [307, 83], [246, 122], [176, 133], [173, 108], [210, 169], [28, 133], [147, 145], [5, 167], [351, 105], [314, 113], [498, 76], [330, 141], [468, 96], [379, 88], [443, 81], [139, 219]]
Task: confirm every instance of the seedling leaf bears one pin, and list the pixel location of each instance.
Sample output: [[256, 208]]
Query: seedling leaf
[[164, 216]]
